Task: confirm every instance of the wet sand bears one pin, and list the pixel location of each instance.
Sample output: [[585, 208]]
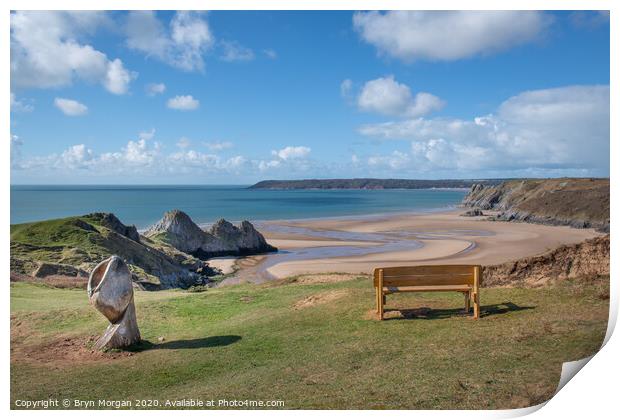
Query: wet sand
[[358, 245]]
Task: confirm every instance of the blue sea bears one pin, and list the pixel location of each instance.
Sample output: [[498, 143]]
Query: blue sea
[[144, 205]]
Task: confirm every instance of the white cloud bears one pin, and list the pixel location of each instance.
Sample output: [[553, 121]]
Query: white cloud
[[77, 156], [265, 165], [118, 78], [137, 157], [183, 103], [181, 45], [292, 152], [218, 145], [47, 51], [184, 143], [153, 89], [70, 107], [544, 130], [270, 53], [386, 96], [233, 51], [448, 35], [18, 105], [147, 135]]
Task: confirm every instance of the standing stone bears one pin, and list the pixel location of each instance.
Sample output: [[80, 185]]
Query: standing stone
[[110, 290]]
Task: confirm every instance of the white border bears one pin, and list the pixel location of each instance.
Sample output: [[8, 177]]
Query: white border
[[593, 393]]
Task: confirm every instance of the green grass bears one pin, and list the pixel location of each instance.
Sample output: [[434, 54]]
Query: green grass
[[251, 342]]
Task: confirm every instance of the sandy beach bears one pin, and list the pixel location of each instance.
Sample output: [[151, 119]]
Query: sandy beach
[[359, 244]]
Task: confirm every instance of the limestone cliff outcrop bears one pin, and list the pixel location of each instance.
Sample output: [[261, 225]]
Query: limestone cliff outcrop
[[576, 202], [177, 229]]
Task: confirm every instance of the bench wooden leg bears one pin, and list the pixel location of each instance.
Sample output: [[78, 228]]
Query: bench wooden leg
[[476, 305], [467, 302], [381, 302], [376, 299]]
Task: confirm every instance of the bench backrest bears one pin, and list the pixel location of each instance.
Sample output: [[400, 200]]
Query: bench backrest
[[429, 275]]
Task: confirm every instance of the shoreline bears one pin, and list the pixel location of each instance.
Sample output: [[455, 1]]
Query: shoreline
[[356, 245]]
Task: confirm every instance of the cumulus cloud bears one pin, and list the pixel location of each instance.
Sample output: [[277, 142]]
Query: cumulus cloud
[[183, 103], [77, 156], [560, 129], [48, 51], [18, 105], [388, 97], [141, 156], [182, 44], [153, 89], [233, 51], [70, 107], [448, 35], [292, 152], [218, 145], [117, 77]]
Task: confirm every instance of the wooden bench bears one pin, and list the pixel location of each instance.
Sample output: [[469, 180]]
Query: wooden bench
[[465, 279]]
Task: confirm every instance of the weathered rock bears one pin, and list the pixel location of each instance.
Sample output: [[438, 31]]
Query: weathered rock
[[45, 269], [585, 259], [110, 291], [178, 230], [112, 222], [473, 213]]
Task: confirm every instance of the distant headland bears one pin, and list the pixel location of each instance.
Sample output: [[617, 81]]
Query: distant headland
[[371, 184]]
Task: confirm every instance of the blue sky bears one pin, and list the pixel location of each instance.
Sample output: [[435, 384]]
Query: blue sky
[[244, 96]]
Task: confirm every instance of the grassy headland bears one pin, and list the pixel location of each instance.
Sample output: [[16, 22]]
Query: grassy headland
[[310, 345]]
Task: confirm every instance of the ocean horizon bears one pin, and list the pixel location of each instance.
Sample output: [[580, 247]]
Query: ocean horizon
[[143, 205]]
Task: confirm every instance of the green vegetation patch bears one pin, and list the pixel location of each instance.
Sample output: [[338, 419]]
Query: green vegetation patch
[[311, 345]]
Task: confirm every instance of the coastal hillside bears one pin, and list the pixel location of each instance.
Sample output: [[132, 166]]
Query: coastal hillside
[[585, 260], [69, 248], [72, 246], [369, 184], [576, 202]]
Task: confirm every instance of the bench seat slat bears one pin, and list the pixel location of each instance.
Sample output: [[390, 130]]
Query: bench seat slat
[[448, 288], [428, 269], [443, 280]]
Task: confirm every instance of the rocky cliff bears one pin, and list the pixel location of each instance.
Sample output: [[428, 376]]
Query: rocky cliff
[[178, 230], [577, 202], [583, 260]]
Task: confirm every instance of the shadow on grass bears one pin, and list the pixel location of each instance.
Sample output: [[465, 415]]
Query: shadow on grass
[[197, 343], [429, 313]]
